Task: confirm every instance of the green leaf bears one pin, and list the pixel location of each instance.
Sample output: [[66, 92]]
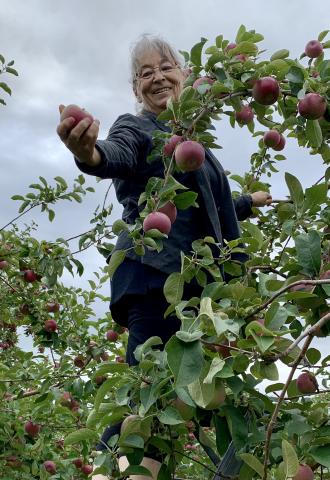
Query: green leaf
[[313, 355], [240, 33], [196, 52], [2, 59], [185, 200], [290, 459], [315, 196], [321, 455], [237, 425], [223, 437], [322, 35], [51, 215], [5, 87], [308, 247], [185, 360], [173, 288], [295, 189], [170, 416], [252, 462], [314, 133], [119, 226], [117, 257], [12, 71], [79, 436], [284, 53], [133, 440], [105, 388], [215, 367]]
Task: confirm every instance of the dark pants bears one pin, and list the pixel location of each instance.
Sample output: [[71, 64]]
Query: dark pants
[[145, 320]]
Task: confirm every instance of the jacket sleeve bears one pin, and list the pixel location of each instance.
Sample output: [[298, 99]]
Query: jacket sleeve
[[243, 207], [125, 145]]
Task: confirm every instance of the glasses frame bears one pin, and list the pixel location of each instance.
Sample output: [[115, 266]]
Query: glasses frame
[[138, 75]]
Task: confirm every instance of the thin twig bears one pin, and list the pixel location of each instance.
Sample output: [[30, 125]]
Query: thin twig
[[280, 400]]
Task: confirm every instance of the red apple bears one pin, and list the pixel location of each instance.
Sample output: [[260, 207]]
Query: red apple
[[41, 349], [50, 325], [202, 81], [79, 361], [52, 307], [307, 383], [272, 138], [230, 46], [245, 115], [99, 379], [325, 275], [169, 147], [50, 467], [76, 112], [281, 144], [313, 49], [78, 462], [241, 57], [111, 335], [312, 106], [170, 210], [87, 469], [32, 429], [66, 399], [3, 264], [304, 473], [266, 91], [158, 221], [104, 356], [120, 359], [30, 276], [189, 155]]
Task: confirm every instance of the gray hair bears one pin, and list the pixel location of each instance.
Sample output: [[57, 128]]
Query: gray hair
[[149, 42]]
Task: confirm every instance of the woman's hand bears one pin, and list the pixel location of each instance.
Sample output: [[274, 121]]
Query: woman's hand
[[261, 199], [81, 139]]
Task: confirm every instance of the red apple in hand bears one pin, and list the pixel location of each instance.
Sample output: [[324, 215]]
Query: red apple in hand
[[158, 221], [189, 155], [76, 112]]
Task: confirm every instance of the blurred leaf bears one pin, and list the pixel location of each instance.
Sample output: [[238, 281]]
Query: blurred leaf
[[308, 247], [314, 133], [290, 459]]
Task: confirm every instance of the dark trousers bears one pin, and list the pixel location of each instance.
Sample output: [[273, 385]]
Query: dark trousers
[[145, 320]]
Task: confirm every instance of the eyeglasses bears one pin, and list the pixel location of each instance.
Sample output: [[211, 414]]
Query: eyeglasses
[[147, 73]]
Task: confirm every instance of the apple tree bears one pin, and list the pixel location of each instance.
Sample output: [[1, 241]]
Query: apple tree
[[202, 388]]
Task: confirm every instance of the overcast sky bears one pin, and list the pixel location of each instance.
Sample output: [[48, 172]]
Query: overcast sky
[[74, 51]]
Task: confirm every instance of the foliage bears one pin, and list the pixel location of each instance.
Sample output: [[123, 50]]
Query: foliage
[[231, 339]]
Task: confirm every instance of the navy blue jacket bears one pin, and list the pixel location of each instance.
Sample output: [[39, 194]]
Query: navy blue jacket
[[124, 159]]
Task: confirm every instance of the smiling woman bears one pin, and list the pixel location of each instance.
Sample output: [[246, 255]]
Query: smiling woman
[[137, 298]]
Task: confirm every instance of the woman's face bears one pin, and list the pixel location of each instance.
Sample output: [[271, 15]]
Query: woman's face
[[158, 80]]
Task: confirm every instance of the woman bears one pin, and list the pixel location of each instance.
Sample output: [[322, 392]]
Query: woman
[[137, 299]]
